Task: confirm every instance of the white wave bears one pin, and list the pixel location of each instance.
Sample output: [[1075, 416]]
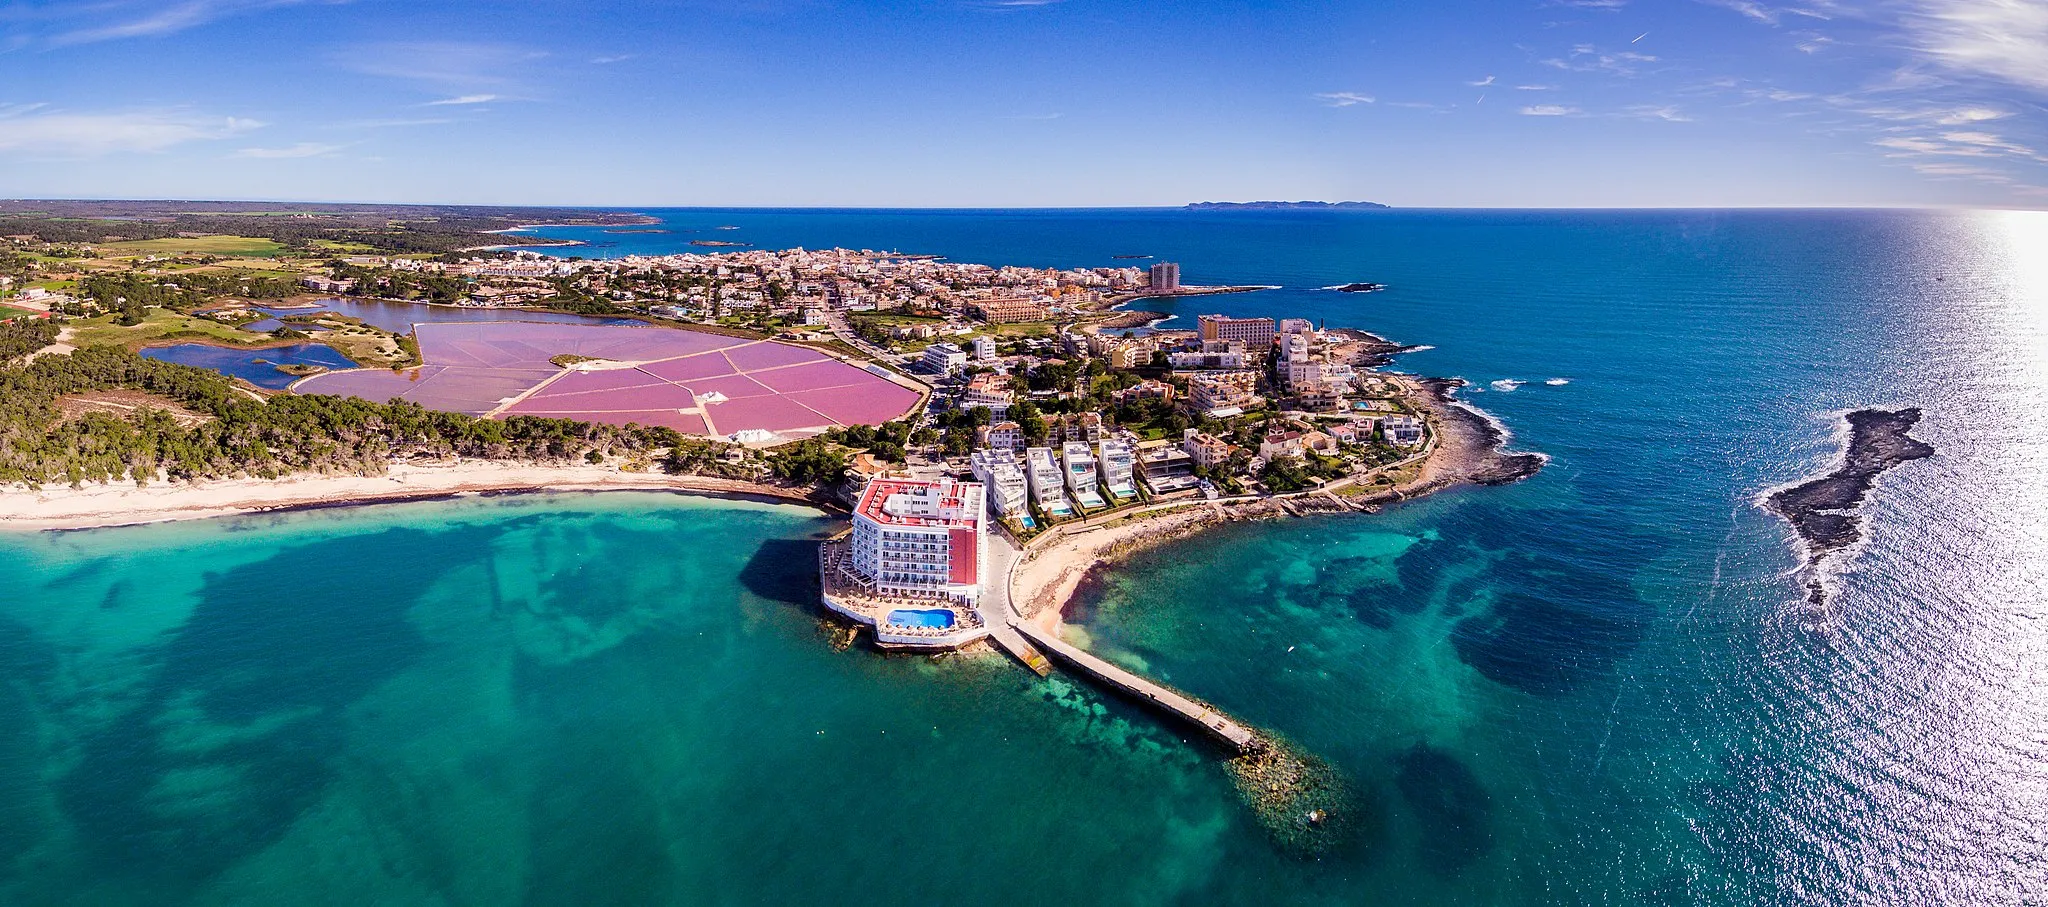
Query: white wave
[[1506, 434], [1507, 385], [1558, 382], [1419, 349]]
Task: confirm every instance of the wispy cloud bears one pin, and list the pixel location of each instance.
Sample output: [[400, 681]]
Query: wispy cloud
[[1535, 88], [1769, 15], [462, 101], [119, 19], [390, 123], [2002, 39], [448, 65], [615, 58], [1550, 110], [300, 150], [39, 129], [1602, 5], [1481, 83], [1667, 113], [1344, 98], [1587, 58]]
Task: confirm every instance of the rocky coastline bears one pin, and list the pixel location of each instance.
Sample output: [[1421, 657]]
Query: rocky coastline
[[1825, 512]]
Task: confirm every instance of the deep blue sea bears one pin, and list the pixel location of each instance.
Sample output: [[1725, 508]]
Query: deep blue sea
[[1599, 686]]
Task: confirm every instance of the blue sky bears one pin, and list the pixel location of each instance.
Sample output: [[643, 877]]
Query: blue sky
[[1029, 102]]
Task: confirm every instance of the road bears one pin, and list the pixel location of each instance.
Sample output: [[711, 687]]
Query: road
[[843, 329]]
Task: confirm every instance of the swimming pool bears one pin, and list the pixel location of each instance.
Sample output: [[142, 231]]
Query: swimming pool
[[934, 618]]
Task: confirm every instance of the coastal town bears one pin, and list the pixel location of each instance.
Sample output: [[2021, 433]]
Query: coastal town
[[1048, 398], [993, 433]]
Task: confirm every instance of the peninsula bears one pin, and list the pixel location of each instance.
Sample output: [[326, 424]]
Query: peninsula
[[994, 433]]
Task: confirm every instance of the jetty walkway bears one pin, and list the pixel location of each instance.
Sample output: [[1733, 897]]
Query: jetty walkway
[[1218, 725]]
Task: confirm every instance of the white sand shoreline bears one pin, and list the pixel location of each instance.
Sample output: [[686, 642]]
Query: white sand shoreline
[[126, 504]]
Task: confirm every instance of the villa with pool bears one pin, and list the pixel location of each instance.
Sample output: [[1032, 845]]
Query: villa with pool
[[912, 566]]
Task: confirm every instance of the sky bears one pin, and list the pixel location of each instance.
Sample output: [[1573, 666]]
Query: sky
[[1029, 103]]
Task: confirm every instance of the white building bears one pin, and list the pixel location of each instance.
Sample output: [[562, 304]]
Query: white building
[[1006, 436], [1082, 479], [1000, 472], [921, 538], [945, 358], [1043, 473], [988, 390], [1115, 464], [985, 349], [1403, 430]]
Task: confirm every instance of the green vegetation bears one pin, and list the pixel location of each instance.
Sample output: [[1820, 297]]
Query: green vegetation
[[886, 442], [266, 438], [811, 462], [304, 229], [155, 325], [20, 338], [238, 246], [132, 292]]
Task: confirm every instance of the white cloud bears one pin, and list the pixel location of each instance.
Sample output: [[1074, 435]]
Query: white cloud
[[390, 124], [1535, 88], [153, 18], [1587, 58], [1967, 115], [35, 128], [1481, 83], [2003, 39], [445, 65], [1550, 110], [615, 58], [302, 149], [1769, 15], [1666, 113], [1345, 98], [462, 101]]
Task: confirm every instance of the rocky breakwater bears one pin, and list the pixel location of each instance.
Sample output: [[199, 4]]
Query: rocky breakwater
[[1825, 512]]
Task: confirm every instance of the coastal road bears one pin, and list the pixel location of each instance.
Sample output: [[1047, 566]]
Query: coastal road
[[843, 329]]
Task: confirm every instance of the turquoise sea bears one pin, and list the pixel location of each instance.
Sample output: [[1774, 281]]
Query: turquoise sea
[[1599, 686]]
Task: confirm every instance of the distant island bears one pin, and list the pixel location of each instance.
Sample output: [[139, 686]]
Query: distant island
[[1283, 206]]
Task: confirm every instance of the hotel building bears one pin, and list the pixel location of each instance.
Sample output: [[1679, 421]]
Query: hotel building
[[1165, 276], [1254, 333], [921, 539], [944, 358], [1042, 471], [1116, 461], [1081, 478], [999, 471]]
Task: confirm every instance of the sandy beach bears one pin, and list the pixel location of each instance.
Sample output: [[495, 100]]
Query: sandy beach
[[63, 507]]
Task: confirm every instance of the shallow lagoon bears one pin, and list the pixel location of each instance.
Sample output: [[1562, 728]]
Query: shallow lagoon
[[258, 366]]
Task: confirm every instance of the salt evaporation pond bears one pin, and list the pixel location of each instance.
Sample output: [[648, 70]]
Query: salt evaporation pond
[[692, 381]]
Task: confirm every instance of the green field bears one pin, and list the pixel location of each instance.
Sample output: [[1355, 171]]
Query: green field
[[158, 324], [234, 246], [350, 248]]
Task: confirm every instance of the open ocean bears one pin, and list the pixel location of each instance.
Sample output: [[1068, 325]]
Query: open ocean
[[1600, 686]]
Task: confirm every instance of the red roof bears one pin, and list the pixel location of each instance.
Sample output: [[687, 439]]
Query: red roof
[[878, 492]]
